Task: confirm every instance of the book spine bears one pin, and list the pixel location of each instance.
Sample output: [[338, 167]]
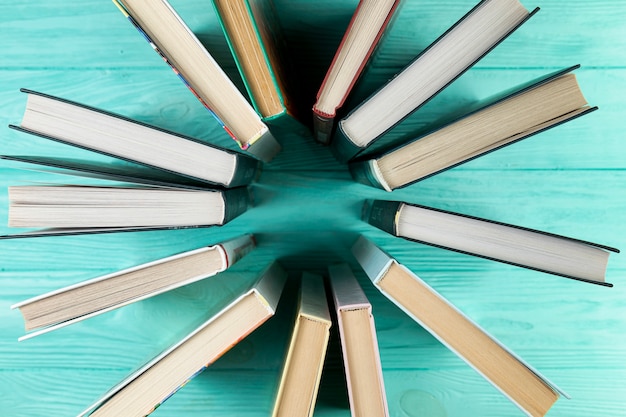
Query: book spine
[[347, 292], [342, 146], [246, 171], [382, 214], [374, 261], [270, 285], [237, 248], [367, 172], [236, 202], [265, 147], [322, 127]]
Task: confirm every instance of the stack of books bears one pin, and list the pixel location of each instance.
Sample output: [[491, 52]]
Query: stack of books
[[165, 180]]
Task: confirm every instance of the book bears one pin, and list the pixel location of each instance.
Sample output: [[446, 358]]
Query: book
[[367, 25], [515, 245], [76, 209], [110, 134], [443, 61], [501, 121], [234, 317], [302, 369], [524, 386], [172, 39], [255, 39], [102, 294], [359, 344]]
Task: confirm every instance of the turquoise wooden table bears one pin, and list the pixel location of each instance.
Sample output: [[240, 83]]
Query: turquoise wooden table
[[569, 180]]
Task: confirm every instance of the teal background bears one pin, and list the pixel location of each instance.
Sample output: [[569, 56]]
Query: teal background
[[569, 180]]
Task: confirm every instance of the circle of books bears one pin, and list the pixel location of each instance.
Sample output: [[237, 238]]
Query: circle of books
[[167, 181]]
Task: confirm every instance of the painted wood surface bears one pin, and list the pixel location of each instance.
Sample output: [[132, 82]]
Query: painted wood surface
[[569, 180]]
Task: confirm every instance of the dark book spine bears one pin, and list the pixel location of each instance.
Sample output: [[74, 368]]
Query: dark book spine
[[236, 202], [246, 171], [322, 128], [342, 147], [382, 214], [364, 172]]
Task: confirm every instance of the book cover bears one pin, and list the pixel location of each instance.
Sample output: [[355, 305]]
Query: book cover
[[523, 385], [366, 169], [523, 241], [345, 147]]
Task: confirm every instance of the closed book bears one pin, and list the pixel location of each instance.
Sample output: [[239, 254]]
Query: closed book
[[255, 39], [302, 368], [367, 25], [523, 385], [229, 322], [172, 39], [110, 134], [488, 125], [515, 245], [84, 209], [102, 294], [254, 34], [359, 344], [443, 61]]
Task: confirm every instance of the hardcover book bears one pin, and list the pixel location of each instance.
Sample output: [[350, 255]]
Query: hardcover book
[[524, 386], [302, 369], [231, 321], [82, 209], [460, 47], [500, 121], [99, 295], [516, 245], [255, 39], [368, 23], [169, 36], [359, 345], [103, 132]]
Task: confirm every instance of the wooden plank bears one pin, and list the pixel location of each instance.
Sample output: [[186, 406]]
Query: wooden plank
[[413, 393]]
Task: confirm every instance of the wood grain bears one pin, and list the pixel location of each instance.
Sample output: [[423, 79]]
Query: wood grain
[[568, 180]]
